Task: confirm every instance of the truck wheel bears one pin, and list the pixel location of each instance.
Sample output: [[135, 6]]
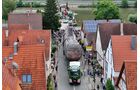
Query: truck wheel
[[79, 82]]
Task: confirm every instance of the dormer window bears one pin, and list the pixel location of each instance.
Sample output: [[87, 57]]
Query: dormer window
[[26, 78]]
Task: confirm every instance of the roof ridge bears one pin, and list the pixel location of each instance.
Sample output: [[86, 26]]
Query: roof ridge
[[128, 61]]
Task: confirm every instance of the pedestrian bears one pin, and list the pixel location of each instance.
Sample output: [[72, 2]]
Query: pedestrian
[[104, 88], [98, 87], [54, 77], [55, 85], [101, 80], [88, 71], [56, 67]]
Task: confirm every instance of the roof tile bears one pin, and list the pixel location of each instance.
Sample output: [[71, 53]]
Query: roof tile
[[108, 29], [28, 37], [30, 59], [9, 81], [121, 48], [130, 68]]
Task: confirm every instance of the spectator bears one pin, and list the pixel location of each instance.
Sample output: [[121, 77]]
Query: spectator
[[55, 85], [98, 87], [101, 80], [104, 88], [54, 77], [56, 67]]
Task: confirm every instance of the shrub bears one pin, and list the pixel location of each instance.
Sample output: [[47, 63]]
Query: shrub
[[132, 18], [109, 85], [124, 3], [20, 3]]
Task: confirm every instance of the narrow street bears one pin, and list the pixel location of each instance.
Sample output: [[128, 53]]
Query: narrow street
[[62, 75]]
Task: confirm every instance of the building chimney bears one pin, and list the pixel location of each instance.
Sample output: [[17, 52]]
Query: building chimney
[[6, 33], [121, 28], [11, 57], [133, 42], [14, 68], [15, 48]]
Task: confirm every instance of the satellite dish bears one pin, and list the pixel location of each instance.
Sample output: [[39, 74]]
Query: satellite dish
[[14, 65]]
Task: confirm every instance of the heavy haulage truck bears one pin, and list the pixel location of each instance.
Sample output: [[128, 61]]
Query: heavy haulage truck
[[73, 52]]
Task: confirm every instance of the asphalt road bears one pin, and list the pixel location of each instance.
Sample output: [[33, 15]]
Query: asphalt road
[[62, 75]]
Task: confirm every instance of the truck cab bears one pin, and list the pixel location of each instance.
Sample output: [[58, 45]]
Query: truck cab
[[74, 72]]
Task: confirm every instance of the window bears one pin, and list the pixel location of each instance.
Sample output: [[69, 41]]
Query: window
[[26, 78]]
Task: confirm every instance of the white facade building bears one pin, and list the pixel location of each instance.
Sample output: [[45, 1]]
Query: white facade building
[[100, 51]]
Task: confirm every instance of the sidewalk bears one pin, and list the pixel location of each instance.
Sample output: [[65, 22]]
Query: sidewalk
[[90, 83]]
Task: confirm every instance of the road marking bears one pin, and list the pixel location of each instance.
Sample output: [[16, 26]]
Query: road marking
[[73, 87]]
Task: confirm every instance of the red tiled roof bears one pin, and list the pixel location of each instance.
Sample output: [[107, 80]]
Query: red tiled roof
[[130, 67], [7, 51], [28, 37], [30, 59], [18, 27], [34, 19], [108, 29], [131, 75], [121, 48], [9, 81]]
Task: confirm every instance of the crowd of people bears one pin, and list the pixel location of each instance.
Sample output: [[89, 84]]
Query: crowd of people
[[95, 69]]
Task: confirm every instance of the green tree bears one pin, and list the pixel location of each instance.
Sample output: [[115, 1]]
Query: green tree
[[19, 3], [7, 6], [109, 85], [50, 17], [125, 3], [132, 18], [106, 9]]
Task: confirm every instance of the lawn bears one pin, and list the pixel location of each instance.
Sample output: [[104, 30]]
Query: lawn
[[86, 14]]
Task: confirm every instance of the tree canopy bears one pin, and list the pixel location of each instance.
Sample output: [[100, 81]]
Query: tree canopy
[[106, 9], [50, 17], [7, 6], [125, 3]]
